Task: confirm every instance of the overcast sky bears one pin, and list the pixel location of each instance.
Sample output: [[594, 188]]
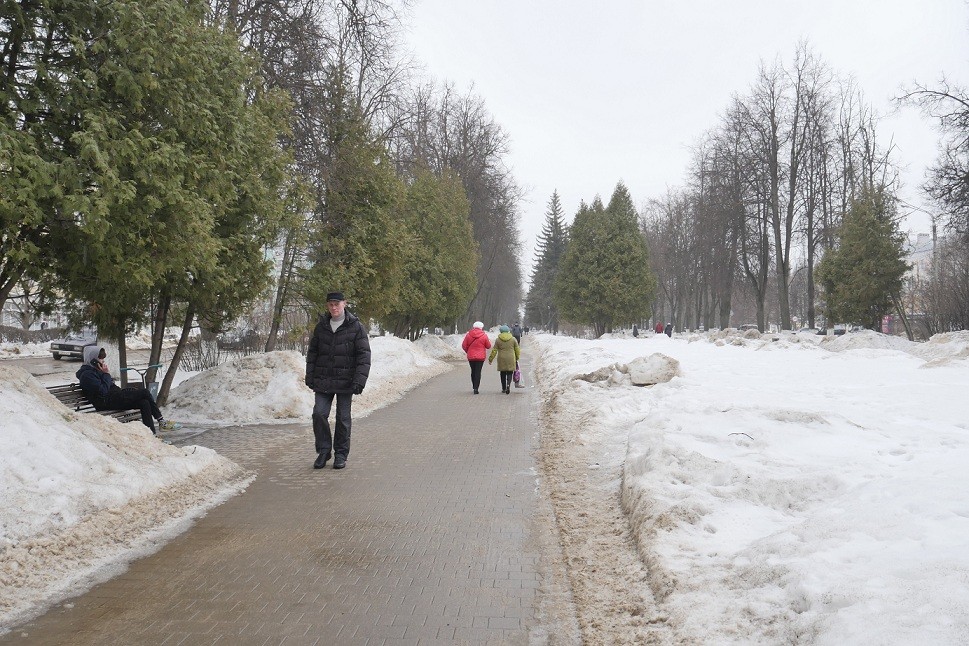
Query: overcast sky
[[593, 93]]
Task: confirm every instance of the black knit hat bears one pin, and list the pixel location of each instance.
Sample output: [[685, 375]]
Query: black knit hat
[[335, 296]]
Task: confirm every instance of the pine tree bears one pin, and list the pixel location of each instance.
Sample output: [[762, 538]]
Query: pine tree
[[861, 278], [605, 278], [540, 308]]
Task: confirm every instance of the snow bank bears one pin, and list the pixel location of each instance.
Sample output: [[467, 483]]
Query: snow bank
[[785, 496], [82, 492], [269, 387], [445, 348], [9, 350]]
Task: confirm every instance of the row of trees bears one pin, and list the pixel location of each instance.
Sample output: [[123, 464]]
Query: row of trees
[[793, 181], [357, 100], [171, 160], [768, 191], [595, 272]]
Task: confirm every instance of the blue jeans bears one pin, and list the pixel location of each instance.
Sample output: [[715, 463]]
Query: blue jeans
[[339, 442]]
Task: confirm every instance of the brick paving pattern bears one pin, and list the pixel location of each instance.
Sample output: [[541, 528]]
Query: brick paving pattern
[[427, 537]]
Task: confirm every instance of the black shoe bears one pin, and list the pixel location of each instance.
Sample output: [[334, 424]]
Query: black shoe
[[321, 461], [507, 391], [475, 391], [339, 462]]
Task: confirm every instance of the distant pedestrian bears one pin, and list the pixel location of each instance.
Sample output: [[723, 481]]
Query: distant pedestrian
[[516, 332], [337, 365], [508, 352], [43, 325], [659, 327], [669, 330], [476, 344], [635, 331]]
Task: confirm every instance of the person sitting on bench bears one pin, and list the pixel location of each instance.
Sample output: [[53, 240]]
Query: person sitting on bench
[[99, 387]]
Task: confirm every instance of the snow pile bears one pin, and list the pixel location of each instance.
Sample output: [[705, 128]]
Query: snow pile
[[12, 350], [943, 348], [786, 496], [867, 340], [445, 348], [81, 492], [269, 387]]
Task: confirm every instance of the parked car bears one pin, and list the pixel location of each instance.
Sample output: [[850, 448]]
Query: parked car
[[73, 344], [748, 326]]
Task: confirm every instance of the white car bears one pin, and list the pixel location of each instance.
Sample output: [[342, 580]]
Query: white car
[[73, 344]]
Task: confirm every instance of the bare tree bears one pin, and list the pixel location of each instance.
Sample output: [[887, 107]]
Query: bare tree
[[447, 130], [669, 225]]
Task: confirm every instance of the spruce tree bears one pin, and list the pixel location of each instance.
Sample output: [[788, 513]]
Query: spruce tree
[[540, 308], [861, 278], [605, 278]]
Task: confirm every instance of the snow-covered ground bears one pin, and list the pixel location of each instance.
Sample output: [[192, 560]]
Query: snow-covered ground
[[785, 488], [780, 489], [83, 494], [8, 350]]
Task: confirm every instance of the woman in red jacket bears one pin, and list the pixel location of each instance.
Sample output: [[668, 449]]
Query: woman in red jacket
[[476, 344]]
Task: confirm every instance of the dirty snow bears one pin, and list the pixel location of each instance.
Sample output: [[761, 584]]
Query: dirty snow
[[767, 489], [82, 492], [777, 488]]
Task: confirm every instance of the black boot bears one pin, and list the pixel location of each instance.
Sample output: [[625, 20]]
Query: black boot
[[321, 460]]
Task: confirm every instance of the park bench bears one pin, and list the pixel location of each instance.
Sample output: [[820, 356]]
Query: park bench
[[74, 398]]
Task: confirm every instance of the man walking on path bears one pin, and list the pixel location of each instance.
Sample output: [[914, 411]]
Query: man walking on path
[[337, 365]]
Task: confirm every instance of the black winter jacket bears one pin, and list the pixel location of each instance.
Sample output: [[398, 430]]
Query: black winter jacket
[[95, 385], [337, 361]]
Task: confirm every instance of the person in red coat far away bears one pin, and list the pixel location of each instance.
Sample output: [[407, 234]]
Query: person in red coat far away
[[476, 344], [659, 327]]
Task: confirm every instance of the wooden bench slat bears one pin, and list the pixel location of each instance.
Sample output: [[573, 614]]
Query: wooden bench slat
[[73, 397]]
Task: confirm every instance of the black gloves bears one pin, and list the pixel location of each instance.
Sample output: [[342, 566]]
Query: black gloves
[[357, 389]]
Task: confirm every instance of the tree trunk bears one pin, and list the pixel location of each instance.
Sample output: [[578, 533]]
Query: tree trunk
[[176, 357]]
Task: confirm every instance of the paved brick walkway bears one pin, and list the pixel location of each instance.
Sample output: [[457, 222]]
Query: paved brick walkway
[[434, 533]]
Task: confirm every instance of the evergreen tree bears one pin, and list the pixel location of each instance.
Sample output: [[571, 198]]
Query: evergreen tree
[[605, 278], [438, 274], [356, 244], [540, 308], [861, 278], [176, 172], [42, 56]]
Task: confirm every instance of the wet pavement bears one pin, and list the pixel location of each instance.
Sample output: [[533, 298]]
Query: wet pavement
[[435, 533]]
